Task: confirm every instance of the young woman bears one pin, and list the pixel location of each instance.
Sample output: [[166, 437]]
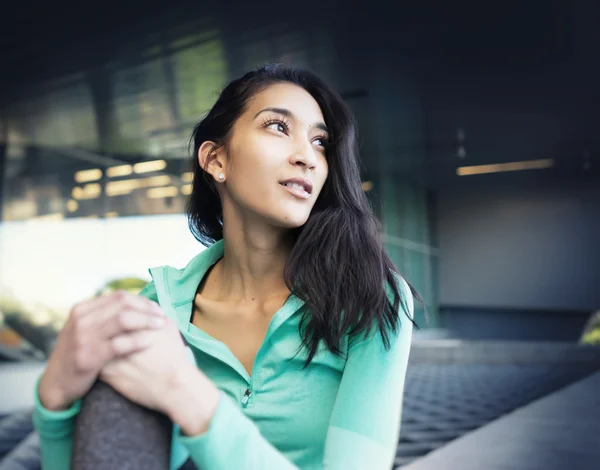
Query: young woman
[[298, 322]]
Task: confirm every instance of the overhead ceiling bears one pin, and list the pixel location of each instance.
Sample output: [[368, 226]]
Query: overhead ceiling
[[520, 80]]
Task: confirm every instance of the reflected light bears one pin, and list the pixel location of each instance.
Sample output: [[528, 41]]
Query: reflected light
[[148, 167], [72, 205], [156, 193], [88, 175], [501, 167], [367, 186], [121, 170]]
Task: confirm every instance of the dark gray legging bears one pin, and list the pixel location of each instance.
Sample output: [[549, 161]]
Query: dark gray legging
[[112, 432]]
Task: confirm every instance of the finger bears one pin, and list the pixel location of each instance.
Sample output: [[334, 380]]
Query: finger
[[137, 302], [131, 320], [125, 313], [121, 346], [130, 343], [88, 306], [127, 321], [95, 331]]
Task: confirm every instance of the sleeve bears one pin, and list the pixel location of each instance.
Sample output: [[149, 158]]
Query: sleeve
[[233, 441], [365, 423], [55, 428]]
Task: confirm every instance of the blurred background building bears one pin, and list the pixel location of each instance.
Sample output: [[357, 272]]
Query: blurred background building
[[479, 139]]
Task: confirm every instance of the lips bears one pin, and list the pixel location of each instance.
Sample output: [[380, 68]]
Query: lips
[[304, 184]]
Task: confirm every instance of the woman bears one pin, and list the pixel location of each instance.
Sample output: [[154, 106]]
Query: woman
[[299, 325]]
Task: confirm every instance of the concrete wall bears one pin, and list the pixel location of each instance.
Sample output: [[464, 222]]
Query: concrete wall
[[519, 249]]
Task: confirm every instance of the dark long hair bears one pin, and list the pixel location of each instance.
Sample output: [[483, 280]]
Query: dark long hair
[[338, 265]]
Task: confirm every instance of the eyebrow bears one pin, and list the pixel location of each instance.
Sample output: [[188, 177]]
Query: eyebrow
[[287, 113]]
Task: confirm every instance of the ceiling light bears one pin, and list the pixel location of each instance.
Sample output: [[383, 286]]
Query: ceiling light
[[120, 170], [148, 167], [502, 167], [88, 175]]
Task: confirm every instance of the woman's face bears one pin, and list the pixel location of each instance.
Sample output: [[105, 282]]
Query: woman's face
[[275, 166]]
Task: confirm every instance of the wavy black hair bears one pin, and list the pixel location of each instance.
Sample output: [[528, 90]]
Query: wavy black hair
[[338, 265]]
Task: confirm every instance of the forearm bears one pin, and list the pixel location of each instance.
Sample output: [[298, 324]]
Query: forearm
[[215, 432], [193, 401]]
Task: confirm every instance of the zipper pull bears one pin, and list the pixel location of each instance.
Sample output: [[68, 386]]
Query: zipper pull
[[246, 397]]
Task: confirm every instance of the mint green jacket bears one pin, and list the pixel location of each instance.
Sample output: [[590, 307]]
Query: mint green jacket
[[338, 413]]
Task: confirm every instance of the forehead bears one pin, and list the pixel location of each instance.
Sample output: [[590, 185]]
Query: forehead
[[290, 97]]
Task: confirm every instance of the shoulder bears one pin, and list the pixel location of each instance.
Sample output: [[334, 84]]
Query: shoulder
[[406, 304], [399, 338]]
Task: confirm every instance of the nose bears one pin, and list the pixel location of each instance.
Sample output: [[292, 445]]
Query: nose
[[304, 155]]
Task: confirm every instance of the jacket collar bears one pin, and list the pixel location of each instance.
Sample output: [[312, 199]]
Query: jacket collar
[[177, 287]]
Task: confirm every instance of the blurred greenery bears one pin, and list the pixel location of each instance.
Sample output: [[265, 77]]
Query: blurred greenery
[[131, 284]]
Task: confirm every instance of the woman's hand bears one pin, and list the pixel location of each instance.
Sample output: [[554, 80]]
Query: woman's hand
[[97, 331], [147, 377], [164, 378]]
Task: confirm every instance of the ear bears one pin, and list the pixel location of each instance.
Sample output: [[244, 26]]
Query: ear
[[212, 159]]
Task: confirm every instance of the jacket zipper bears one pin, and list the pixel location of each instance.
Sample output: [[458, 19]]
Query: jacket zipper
[[246, 397]]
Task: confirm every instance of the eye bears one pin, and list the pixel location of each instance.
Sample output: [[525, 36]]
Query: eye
[[321, 141], [276, 125]]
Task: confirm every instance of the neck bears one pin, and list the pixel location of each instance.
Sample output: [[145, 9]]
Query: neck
[[254, 257]]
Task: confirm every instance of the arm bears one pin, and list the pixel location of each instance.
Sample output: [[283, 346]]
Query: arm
[[365, 423], [232, 440], [56, 428], [364, 427]]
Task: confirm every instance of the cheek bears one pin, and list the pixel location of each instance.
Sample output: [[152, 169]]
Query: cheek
[[258, 156], [253, 181], [253, 173]]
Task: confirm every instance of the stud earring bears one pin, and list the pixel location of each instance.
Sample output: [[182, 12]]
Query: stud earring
[[221, 176]]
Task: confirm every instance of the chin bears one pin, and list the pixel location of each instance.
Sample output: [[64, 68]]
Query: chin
[[290, 220], [293, 222]]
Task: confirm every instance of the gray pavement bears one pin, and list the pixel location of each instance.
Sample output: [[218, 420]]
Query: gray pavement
[[558, 432]]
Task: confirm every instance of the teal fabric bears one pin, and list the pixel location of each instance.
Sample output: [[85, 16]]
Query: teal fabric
[[338, 413]]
